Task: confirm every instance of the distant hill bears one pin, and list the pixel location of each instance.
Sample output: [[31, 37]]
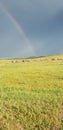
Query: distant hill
[[49, 57]]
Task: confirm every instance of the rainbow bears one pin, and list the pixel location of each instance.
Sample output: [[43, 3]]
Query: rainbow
[[18, 27]]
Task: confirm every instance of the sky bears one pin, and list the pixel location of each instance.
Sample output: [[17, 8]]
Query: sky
[[34, 28]]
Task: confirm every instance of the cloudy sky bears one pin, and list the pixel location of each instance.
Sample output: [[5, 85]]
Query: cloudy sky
[[31, 27]]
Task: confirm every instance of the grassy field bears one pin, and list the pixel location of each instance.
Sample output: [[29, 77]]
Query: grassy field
[[31, 94]]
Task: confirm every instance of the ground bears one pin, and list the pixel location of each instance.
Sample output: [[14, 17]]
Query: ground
[[31, 94]]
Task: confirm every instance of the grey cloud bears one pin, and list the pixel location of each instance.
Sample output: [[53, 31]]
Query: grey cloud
[[47, 6], [42, 21]]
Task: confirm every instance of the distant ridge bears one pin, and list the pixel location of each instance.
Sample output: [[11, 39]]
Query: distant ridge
[[34, 57]]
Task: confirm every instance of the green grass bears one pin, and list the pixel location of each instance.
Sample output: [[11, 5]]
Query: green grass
[[31, 94]]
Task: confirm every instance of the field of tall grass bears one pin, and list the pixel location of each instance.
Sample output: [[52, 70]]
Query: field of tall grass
[[31, 94]]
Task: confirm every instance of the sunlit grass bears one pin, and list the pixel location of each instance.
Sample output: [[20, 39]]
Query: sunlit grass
[[31, 95]]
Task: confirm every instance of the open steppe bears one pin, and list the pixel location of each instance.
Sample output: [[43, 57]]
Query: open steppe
[[31, 93]]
